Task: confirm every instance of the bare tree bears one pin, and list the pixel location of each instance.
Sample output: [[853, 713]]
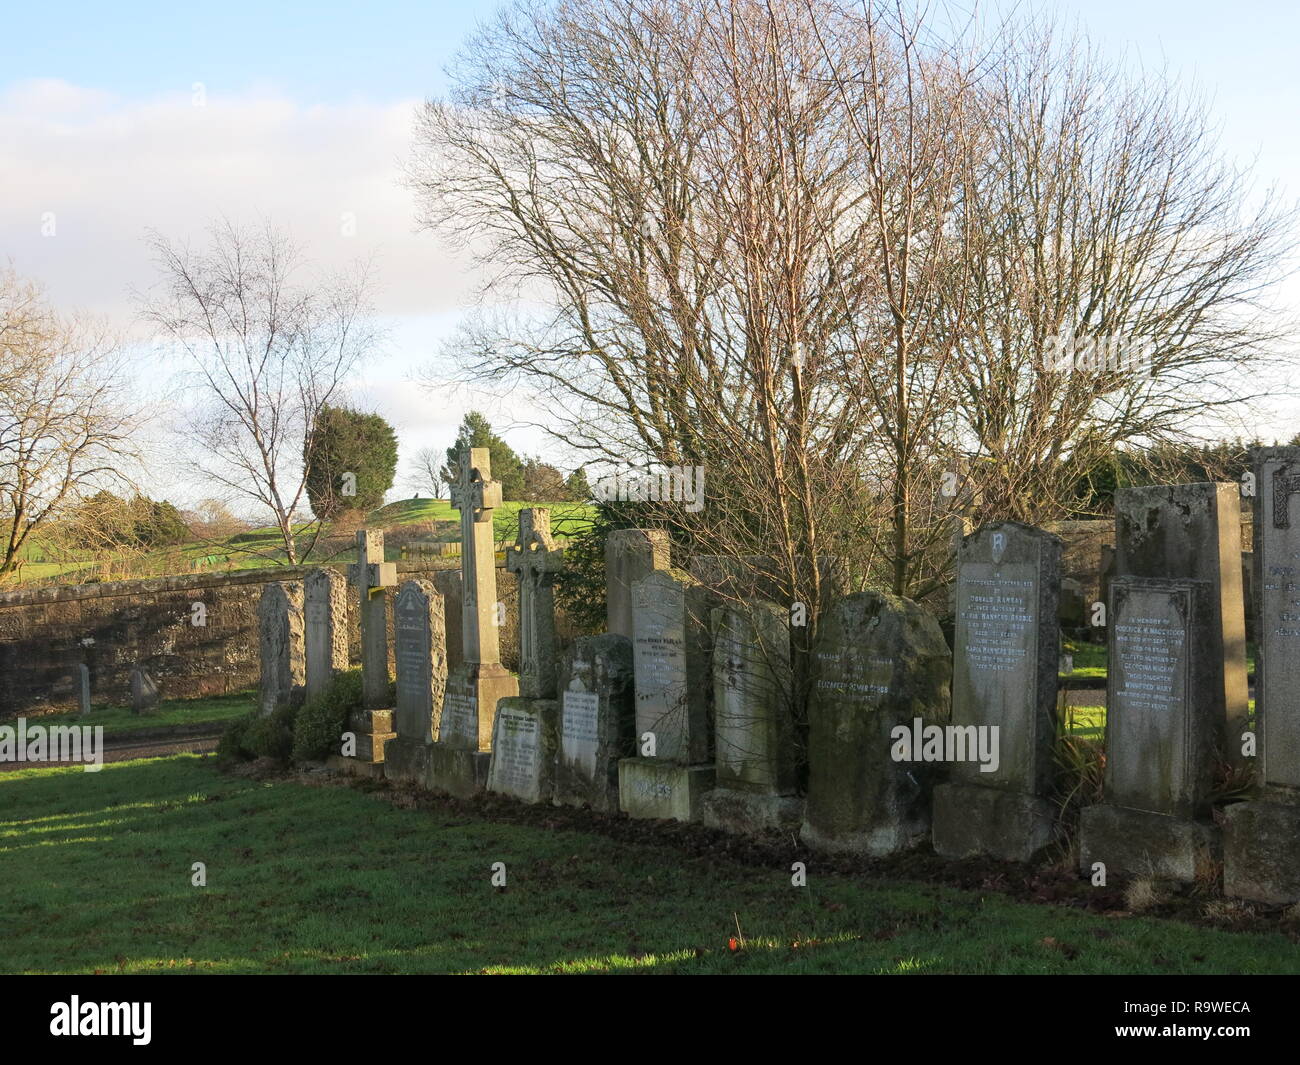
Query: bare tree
[[428, 467], [65, 423], [823, 250], [265, 350]]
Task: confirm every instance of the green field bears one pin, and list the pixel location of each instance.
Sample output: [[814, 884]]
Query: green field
[[96, 868], [255, 548], [169, 713]]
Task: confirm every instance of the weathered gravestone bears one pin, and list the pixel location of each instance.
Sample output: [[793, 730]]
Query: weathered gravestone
[[524, 738], [459, 760], [630, 554], [420, 653], [1193, 531], [325, 610], [280, 624], [1005, 660], [754, 745], [371, 579], [144, 691], [1164, 726], [82, 680], [450, 585], [671, 651], [883, 667], [1261, 838], [597, 720]]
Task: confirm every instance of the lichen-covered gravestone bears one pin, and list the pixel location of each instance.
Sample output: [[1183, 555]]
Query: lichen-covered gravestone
[[144, 691], [753, 726], [1164, 727], [524, 739], [460, 759], [630, 555], [882, 664], [1193, 532], [1005, 661], [325, 609], [372, 578], [597, 720], [671, 651], [420, 654], [1261, 838], [281, 628]]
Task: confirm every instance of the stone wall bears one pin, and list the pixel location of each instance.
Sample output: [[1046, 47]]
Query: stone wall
[[111, 627]]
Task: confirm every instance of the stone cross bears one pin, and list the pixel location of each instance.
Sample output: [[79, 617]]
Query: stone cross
[[536, 561], [372, 576], [476, 496]]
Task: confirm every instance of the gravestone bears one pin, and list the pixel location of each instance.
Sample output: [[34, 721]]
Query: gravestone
[[1005, 660], [459, 761], [882, 665], [753, 726], [325, 610], [1193, 532], [630, 554], [597, 720], [420, 655], [524, 737], [144, 691], [450, 585], [524, 743], [671, 650], [536, 561], [1261, 838], [281, 628], [82, 679], [1164, 728], [371, 579]]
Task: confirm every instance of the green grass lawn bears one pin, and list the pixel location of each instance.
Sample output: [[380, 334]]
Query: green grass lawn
[[95, 875], [1090, 658], [255, 548], [169, 712]]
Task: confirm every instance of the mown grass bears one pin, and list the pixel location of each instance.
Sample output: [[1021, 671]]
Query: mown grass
[[255, 548], [96, 868], [168, 713]]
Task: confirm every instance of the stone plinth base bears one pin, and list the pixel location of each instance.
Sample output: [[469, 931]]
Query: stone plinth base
[[972, 821], [460, 773], [1261, 852], [355, 767], [875, 841], [374, 730], [407, 760], [651, 788], [750, 812], [1140, 843]]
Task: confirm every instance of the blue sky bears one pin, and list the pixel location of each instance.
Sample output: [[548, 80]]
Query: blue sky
[[307, 115]]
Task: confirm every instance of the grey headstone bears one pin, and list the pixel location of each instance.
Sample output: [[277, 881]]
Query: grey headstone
[[536, 560], [630, 555], [881, 662], [523, 749], [281, 626], [754, 729], [371, 579], [597, 720], [1193, 532], [82, 679], [1005, 662], [325, 612], [421, 659], [144, 691], [671, 650]]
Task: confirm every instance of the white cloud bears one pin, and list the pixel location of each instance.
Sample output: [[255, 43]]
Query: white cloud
[[105, 169]]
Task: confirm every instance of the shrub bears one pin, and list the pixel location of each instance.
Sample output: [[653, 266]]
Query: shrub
[[271, 736], [231, 747], [321, 721]]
